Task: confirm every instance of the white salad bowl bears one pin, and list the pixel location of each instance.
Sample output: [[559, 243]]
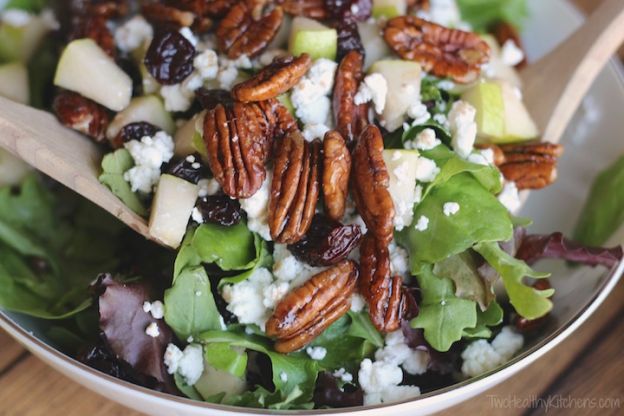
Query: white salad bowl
[[592, 141]]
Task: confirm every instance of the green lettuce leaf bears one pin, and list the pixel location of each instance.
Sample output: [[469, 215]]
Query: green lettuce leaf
[[603, 213], [114, 165], [443, 316], [33, 6], [482, 14], [189, 304], [492, 316], [222, 356], [481, 217], [526, 300]]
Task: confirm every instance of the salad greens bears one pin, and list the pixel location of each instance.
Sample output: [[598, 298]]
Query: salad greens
[[482, 14], [114, 165], [603, 213]]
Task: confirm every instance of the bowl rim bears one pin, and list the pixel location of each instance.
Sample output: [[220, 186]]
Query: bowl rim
[[480, 383]]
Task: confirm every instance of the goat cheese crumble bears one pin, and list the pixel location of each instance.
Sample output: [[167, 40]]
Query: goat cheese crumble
[[343, 375], [257, 209], [149, 154], [450, 208], [188, 363], [463, 127], [510, 197], [310, 98], [208, 187], [425, 140], [426, 169], [422, 224], [511, 54], [316, 353], [373, 88], [133, 34], [357, 303], [152, 330], [287, 268], [481, 356], [156, 309]]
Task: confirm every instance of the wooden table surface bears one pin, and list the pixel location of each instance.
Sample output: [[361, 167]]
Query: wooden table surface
[[581, 375]]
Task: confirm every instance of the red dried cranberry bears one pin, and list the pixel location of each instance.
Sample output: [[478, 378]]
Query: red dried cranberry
[[348, 38], [169, 57], [327, 242], [358, 10], [190, 169], [220, 209], [209, 99], [138, 130]]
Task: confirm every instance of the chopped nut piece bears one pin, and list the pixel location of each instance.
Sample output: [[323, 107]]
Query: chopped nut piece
[[350, 118], [530, 165], [336, 172], [81, 114]]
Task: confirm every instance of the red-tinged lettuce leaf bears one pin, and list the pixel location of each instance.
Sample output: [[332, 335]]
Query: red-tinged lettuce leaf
[[555, 245], [328, 393], [123, 322]]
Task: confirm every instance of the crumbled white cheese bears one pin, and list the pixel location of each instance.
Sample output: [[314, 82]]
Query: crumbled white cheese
[[272, 294], [197, 216], [316, 353], [16, 17], [422, 224], [373, 88], [309, 96], [446, 85], [463, 127], [511, 54], [315, 131], [425, 140], [152, 330], [443, 12], [322, 74], [287, 268], [316, 112], [399, 260], [156, 309], [450, 208], [49, 19], [207, 64], [442, 120], [480, 356], [208, 187], [133, 34], [418, 113], [509, 197], [397, 352], [483, 157], [380, 382], [227, 75], [177, 97], [426, 169], [149, 154], [188, 363], [283, 376], [343, 375], [189, 35], [357, 303], [247, 299], [257, 209]]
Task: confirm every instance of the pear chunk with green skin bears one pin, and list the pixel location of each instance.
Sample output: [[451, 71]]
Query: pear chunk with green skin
[[314, 38], [375, 46], [402, 168], [148, 108], [501, 114], [86, 69], [171, 209], [403, 78], [183, 138], [214, 381], [389, 8], [19, 43], [14, 82]]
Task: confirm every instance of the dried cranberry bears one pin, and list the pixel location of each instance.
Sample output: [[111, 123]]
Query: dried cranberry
[[169, 57], [190, 169], [327, 242], [358, 10], [220, 209], [327, 393], [138, 130], [209, 99], [348, 38]]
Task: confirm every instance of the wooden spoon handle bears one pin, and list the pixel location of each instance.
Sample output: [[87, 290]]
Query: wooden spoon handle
[[66, 156], [555, 85]]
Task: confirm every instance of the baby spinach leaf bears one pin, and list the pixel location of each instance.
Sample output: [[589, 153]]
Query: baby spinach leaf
[[481, 217], [482, 14], [526, 300], [603, 213], [114, 165], [189, 305], [362, 327], [442, 316], [222, 356]]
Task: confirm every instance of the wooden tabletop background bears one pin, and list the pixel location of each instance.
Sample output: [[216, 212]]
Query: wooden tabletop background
[[587, 365]]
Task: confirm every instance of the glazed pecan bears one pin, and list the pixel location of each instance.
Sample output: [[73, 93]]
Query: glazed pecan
[[336, 172], [370, 181], [497, 154], [530, 165], [107, 9], [237, 146], [241, 32], [161, 14], [295, 187], [382, 291], [278, 117], [350, 118], [444, 52], [314, 9], [81, 114], [94, 27], [504, 32], [309, 309], [210, 8], [275, 79]]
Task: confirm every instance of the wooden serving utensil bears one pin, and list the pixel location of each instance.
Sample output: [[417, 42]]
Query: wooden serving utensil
[[553, 89]]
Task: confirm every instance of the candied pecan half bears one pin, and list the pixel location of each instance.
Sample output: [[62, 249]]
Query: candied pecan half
[[163, 15], [336, 172], [275, 79], [107, 9], [382, 291], [314, 9], [94, 27], [237, 147], [530, 165], [81, 114], [295, 187], [370, 180], [504, 32], [309, 309], [211, 8], [327, 242], [444, 52], [278, 117], [242, 33], [350, 118]]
